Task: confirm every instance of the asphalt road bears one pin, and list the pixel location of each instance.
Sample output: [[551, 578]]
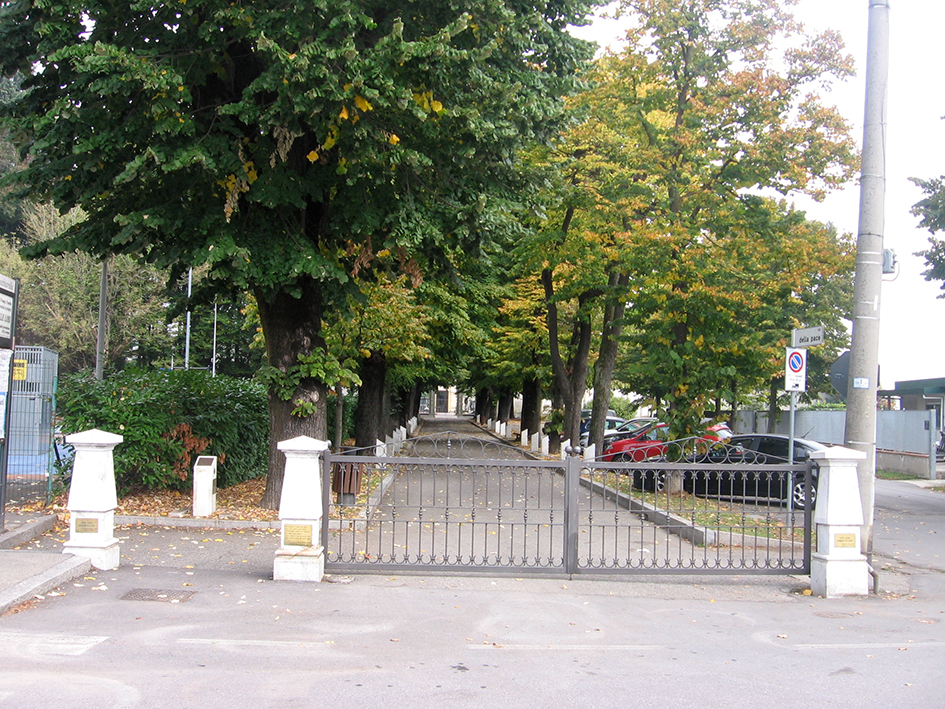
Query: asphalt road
[[195, 621], [909, 534]]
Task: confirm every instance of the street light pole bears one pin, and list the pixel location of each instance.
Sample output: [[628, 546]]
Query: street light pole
[[862, 386], [102, 323]]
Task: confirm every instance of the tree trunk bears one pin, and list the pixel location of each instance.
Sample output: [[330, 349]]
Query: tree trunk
[[505, 406], [607, 359], [531, 406], [339, 418], [773, 404], [292, 328], [369, 417]]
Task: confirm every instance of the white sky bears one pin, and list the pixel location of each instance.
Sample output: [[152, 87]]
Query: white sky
[[912, 337]]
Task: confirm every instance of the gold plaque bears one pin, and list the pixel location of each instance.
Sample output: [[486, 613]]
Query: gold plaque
[[86, 525], [844, 541], [298, 535]]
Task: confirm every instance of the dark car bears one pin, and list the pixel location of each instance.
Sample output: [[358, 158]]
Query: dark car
[[754, 449]]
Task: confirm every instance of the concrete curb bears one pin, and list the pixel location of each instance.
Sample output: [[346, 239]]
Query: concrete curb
[[38, 584], [26, 532], [197, 523]]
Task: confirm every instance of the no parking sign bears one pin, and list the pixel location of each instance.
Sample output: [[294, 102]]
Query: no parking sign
[[795, 369]]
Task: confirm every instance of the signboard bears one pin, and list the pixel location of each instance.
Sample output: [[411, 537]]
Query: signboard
[[808, 336], [795, 369], [19, 370]]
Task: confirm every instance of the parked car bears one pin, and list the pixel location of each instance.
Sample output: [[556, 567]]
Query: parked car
[[612, 424], [757, 448], [748, 449], [652, 441]]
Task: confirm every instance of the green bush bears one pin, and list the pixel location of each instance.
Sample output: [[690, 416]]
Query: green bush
[[167, 418]]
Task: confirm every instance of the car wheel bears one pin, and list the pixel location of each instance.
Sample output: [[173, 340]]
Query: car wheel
[[799, 498], [659, 482]]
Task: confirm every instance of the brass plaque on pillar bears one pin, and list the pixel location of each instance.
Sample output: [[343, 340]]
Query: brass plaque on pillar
[[86, 525], [844, 541], [298, 535]]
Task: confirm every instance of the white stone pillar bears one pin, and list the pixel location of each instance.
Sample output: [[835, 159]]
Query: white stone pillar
[[93, 499], [545, 445], [301, 557], [205, 486], [590, 453], [525, 438], [536, 442], [838, 568]]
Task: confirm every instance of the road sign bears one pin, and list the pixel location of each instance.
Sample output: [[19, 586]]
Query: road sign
[[808, 336], [795, 369]]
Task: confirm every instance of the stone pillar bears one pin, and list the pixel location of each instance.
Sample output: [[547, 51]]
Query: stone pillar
[[525, 438], [205, 486], [838, 568], [93, 499], [301, 557]]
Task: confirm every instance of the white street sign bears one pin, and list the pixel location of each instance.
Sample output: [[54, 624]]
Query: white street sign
[[808, 336], [795, 369]]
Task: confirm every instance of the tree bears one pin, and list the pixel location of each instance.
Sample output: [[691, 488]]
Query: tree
[[704, 110], [291, 146], [932, 213]]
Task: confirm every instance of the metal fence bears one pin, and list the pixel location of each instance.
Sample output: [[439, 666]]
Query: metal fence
[[453, 510], [30, 448]]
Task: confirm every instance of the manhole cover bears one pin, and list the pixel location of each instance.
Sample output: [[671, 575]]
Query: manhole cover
[[157, 594]]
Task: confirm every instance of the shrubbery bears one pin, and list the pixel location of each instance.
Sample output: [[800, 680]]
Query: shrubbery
[[167, 418]]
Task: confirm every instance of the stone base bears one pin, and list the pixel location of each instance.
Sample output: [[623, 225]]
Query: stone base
[[105, 557], [831, 577], [308, 564]]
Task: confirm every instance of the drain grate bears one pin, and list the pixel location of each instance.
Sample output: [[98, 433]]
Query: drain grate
[[157, 594]]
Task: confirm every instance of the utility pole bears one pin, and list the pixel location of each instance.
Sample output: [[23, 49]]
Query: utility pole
[[860, 431]]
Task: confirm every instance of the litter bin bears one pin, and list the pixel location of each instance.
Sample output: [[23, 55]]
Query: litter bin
[[346, 478]]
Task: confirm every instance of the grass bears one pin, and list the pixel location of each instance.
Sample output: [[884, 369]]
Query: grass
[[732, 518], [890, 475]]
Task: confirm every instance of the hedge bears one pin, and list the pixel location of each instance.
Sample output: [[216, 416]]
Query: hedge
[[167, 418]]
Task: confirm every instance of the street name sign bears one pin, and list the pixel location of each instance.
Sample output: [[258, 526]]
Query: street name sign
[[808, 336]]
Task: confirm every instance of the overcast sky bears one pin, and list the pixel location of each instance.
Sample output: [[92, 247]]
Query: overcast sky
[[912, 339]]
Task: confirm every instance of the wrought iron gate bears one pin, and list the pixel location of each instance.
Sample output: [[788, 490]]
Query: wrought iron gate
[[459, 504]]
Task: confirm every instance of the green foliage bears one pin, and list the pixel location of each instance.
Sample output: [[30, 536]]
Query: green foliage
[[624, 407], [320, 365], [932, 212], [167, 419]]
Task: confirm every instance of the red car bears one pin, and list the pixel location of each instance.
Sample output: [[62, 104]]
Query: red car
[[652, 441]]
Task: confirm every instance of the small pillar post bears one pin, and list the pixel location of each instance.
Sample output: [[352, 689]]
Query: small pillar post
[[301, 556], [205, 486], [838, 568], [93, 499]]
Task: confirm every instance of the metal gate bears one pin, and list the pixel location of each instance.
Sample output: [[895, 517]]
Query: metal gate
[[459, 504]]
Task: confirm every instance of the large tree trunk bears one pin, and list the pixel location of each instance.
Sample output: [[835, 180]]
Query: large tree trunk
[[292, 328], [370, 415]]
